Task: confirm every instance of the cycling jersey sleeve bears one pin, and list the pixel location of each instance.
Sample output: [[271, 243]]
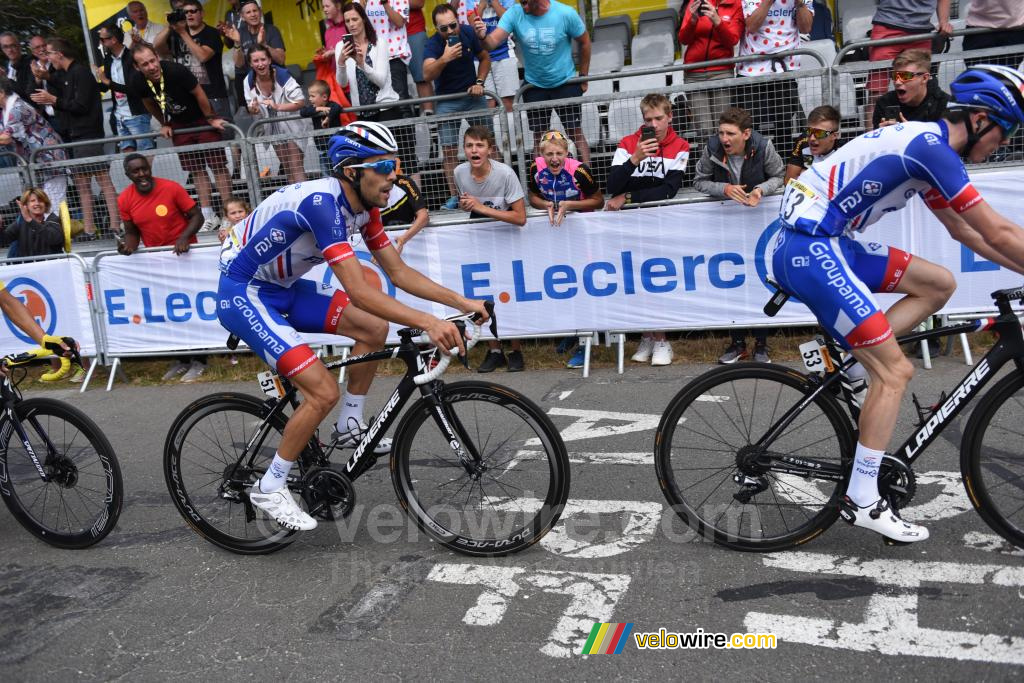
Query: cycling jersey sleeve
[[373, 232], [928, 158], [320, 214]]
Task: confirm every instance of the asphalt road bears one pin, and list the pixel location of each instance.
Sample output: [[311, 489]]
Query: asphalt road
[[373, 598]]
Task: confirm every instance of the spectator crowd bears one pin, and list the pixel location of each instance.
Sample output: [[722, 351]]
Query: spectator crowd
[[190, 78]]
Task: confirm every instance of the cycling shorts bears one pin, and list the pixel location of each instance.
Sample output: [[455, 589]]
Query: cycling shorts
[[835, 278], [269, 317]]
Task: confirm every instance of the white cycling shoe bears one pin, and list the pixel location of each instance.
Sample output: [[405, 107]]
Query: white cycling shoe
[[354, 436], [282, 508], [881, 518]]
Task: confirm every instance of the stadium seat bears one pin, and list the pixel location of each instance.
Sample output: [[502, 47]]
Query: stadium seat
[[618, 27], [607, 56], [658, 21], [855, 18], [648, 83], [812, 90], [296, 71], [653, 50]]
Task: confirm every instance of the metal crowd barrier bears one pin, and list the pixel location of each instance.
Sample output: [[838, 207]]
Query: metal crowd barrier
[[14, 180]]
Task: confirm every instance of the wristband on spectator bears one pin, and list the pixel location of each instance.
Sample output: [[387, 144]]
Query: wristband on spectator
[[479, 82]]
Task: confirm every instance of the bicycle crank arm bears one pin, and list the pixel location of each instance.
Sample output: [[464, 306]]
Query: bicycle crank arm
[[808, 468]]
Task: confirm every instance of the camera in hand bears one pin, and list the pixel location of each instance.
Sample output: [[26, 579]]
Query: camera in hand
[[175, 16], [647, 133]]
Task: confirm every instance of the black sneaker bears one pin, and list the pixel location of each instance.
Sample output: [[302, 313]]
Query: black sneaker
[[761, 354], [515, 361], [734, 352], [494, 360]]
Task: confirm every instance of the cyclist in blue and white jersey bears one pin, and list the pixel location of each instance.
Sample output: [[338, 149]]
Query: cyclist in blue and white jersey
[[814, 256], [264, 302]]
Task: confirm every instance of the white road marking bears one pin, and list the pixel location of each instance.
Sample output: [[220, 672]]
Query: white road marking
[[583, 427], [711, 398], [992, 543], [890, 624], [593, 598], [640, 525], [565, 394], [950, 502]]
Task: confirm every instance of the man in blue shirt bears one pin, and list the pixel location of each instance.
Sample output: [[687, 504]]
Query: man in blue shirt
[[545, 30], [448, 60]]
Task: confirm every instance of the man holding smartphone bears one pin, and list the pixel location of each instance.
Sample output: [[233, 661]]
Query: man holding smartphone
[[915, 95]]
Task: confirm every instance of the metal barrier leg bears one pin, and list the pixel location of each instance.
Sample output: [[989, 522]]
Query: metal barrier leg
[[113, 373], [926, 354], [88, 376], [968, 358], [620, 352], [588, 341], [341, 372]]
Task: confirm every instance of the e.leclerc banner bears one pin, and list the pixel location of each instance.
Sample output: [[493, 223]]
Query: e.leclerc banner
[[54, 292]]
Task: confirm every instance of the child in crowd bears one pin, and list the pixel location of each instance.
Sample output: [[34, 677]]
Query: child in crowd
[[235, 212], [325, 113], [559, 184]]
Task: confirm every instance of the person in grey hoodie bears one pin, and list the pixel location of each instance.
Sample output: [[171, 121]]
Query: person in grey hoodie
[[742, 165]]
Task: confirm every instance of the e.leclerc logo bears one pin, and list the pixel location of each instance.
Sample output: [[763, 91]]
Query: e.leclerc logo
[[38, 302], [373, 274], [624, 273]]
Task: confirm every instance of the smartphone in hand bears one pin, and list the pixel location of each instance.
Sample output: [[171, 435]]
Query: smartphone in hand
[[892, 113], [647, 133]]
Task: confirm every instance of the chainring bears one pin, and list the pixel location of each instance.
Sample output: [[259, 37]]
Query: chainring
[[328, 493], [897, 483]]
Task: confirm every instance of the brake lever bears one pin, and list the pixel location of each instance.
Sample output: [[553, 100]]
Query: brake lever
[[461, 325], [493, 327]]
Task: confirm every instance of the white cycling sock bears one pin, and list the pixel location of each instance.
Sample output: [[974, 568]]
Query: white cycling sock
[[863, 488], [276, 475], [351, 409], [857, 371]]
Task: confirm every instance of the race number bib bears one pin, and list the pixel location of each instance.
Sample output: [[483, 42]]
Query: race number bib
[[271, 385], [798, 201], [815, 357]]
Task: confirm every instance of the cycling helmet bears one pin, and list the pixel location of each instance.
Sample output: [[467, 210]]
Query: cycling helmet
[[997, 90], [357, 141]]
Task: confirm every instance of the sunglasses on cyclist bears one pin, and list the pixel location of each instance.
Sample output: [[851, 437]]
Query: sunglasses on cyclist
[[820, 133], [904, 76], [383, 166], [447, 28]]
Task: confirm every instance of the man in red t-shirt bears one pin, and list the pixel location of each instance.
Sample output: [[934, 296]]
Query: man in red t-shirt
[[161, 214], [155, 210]]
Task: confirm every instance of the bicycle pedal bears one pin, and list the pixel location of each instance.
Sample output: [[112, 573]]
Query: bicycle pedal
[[892, 542]]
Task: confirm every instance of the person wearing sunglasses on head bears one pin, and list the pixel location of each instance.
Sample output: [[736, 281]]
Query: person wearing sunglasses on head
[[915, 96], [264, 301], [812, 254], [817, 143]]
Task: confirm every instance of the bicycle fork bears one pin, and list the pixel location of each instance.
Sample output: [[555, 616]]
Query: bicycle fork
[[455, 434]]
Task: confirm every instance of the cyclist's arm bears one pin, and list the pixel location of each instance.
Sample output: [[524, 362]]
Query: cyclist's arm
[[416, 283], [985, 232], [20, 316]]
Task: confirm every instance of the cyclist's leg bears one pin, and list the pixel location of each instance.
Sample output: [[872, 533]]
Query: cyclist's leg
[[820, 271], [313, 311], [928, 286]]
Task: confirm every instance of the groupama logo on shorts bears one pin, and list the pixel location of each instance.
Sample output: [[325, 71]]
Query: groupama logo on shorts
[[38, 302], [373, 273]]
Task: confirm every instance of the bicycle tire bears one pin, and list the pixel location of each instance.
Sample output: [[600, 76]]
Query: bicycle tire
[[81, 501], [205, 440], [519, 496], [991, 458], [698, 451]]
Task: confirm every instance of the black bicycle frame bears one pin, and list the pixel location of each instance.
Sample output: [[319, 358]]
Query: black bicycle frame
[[357, 463], [1009, 347]]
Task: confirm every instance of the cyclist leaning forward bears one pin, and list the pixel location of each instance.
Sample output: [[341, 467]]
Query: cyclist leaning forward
[[291, 231], [813, 255]]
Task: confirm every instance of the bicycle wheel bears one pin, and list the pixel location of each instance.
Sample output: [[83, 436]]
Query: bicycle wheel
[[519, 487], [79, 500], [992, 461], [202, 448], [705, 456]]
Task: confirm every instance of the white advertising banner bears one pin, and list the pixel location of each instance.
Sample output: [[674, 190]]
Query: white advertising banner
[[54, 291], [692, 266]]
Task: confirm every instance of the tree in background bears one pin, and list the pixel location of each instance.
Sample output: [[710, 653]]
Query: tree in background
[[48, 17]]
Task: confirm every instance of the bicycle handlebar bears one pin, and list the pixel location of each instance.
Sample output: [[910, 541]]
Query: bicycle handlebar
[[446, 359], [51, 348]]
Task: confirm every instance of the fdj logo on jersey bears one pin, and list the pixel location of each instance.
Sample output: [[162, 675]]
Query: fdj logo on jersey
[[39, 304], [371, 272]]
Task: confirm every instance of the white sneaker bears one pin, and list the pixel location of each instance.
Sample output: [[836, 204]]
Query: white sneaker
[[177, 368], [643, 352], [355, 435], [880, 518], [211, 224], [282, 508], [195, 370], [662, 354]]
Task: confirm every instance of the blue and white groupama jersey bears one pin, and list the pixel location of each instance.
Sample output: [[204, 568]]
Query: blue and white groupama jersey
[[875, 173], [296, 228]]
